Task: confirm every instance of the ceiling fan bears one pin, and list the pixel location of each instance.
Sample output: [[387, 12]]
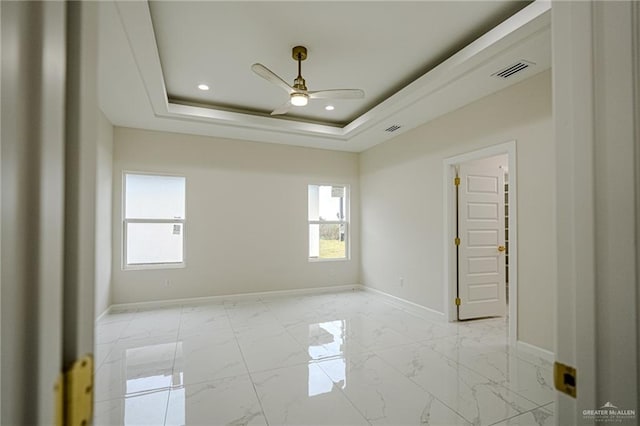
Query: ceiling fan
[[298, 93]]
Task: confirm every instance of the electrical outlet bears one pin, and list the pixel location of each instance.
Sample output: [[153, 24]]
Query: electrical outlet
[[401, 282], [167, 283]]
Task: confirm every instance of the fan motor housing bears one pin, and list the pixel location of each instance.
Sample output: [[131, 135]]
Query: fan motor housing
[[299, 53], [300, 84]]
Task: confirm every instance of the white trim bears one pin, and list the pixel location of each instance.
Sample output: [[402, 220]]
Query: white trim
[[363, 132], [148, 266], [104, 313], [328, 259], [535, 351], [327, 222], [412, 308], [126, 307], [154, 221], [449, 164]]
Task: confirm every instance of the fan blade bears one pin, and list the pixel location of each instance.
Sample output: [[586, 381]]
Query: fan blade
[[269, 75], [337, 94], [283, 109]]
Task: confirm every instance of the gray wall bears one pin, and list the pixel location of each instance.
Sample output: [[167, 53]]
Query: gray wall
[[402, 202], [246, 207]]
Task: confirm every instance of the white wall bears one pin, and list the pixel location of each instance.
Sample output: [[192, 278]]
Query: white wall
[[104, 208], [246, 226], [402, 202]]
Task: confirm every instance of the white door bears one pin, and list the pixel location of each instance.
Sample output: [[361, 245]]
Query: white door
[[481, 256]]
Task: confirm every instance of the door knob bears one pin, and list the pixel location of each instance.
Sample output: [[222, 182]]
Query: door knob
[[501, 248]]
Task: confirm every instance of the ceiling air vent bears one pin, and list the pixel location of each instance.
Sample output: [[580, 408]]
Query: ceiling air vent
[[513, 69], [392, 128]]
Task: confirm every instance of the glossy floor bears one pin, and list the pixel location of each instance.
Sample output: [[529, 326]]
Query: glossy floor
[[348, 358]]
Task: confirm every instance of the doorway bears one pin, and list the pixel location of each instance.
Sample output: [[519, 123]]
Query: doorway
[[485, 284]]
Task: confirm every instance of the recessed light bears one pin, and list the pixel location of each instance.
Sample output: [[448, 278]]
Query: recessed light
[[203, 87], [329, 107]]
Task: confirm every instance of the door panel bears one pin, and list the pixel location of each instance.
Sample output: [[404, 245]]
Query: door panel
[[482, 238], [481, 266], [483, 292], [481, 286]]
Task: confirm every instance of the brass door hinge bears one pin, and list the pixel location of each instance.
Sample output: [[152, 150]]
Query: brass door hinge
[[457, 241], [74, 394], [458, 301], [456, 181], [564, 378]]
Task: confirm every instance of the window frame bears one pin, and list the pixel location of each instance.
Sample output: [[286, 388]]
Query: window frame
[[125, 222], [346, 222]]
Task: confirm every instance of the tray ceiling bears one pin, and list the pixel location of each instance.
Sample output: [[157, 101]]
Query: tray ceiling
[[379, 47], [414, 60]]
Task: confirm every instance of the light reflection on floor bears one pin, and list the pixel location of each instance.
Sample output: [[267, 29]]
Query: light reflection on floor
[[343, 358], [326, 340]]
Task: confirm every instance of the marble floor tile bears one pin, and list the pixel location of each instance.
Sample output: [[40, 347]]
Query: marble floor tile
[[268, 350], [135, 366], [292, 315], [208, 356], [152, 325], [203, 321], [110, 332], [345, 358], [465, 347], [476, 398], [229, 401], [385, 396], [531, 358], [537, 417], [117, 316], [303, 395], [412, 326], [372, 334], [250, 314], [533, 382], [101, 353], [144, 409], [325, 340], [204, 306]]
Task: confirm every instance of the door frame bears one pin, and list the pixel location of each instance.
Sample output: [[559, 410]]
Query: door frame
[[597, 134], [449, 164]]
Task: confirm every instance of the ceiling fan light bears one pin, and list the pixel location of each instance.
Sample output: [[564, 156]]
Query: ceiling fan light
[[299, 99]]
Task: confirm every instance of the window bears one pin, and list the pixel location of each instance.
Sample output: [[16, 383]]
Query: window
[[328, 222], [154, 220]]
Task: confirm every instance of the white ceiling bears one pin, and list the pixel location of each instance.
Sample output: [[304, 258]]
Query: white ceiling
[[414, 60]]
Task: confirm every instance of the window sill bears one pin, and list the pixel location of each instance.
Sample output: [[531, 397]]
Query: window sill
[[339, 259], [146, 266]]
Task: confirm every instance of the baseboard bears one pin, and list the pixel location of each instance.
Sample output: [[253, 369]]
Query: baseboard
[[413, 308], [105, 312], [535, 351], [126, 307]]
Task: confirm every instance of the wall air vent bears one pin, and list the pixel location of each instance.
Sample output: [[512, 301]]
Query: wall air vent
[[392, 128], [513, 69]]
